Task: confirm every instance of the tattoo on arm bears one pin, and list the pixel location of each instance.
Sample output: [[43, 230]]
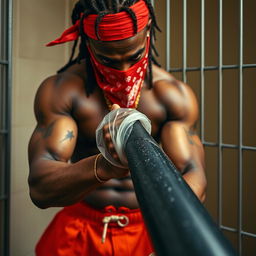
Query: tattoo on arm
[[190, 134], [69, 136], [48, 130], [192, 165]]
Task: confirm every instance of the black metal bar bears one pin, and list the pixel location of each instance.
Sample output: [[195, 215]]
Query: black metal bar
[[177, 221], [8, 95], [208, 68], [1, 30], [3, 62], [3, 132], [3, 197]]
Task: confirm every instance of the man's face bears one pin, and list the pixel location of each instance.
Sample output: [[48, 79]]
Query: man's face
[[120, 54]]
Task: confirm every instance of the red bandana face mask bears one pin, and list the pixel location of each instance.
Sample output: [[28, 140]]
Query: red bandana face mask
[[121, 87]]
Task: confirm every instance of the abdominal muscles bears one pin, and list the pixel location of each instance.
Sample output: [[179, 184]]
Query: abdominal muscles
[[116, 192]]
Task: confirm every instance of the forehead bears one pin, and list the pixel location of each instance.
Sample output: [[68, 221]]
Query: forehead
[[120, 46]]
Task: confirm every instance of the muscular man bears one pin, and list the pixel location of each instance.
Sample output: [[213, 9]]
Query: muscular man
[[115, 65]]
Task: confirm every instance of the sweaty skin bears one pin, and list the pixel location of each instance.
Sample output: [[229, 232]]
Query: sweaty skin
[[62, 148]]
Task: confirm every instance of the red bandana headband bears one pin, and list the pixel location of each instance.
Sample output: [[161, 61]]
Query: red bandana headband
[[113, 27]]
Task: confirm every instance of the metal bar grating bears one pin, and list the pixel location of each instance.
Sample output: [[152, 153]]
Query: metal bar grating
[[213, 67], [240, 142], [183, 68], [168, 36], [202, 69], [5, 120], [2, 62], [184, 46], [220, 96]]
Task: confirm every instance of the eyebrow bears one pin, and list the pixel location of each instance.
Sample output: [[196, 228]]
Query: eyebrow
[[140, 51]]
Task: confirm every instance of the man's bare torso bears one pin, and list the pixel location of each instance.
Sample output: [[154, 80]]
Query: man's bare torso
[[88, 113]]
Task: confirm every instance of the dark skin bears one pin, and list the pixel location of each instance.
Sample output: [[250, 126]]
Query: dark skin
[[62, 149]]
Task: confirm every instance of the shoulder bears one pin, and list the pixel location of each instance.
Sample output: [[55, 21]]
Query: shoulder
[[177, 97], [57, 93]]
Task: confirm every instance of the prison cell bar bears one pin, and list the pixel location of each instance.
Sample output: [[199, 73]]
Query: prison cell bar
[[220, 125], [207, 68], [184, 44], [6, 7], [168, 35], [176, 220], [202, 69], [220, 145], [240, 139]]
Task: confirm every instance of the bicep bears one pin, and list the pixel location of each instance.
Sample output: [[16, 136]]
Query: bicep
[[55, 134], [55, 140]]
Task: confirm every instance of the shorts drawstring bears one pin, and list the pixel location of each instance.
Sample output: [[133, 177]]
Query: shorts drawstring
[[113, 218]]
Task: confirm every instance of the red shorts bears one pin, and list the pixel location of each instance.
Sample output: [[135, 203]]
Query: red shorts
[[78, 229]]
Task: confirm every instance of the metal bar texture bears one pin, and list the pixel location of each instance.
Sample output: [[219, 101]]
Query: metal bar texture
[[168, 34], [234, 230], [5, 120], [177, 221], [3, 62], [220, 67], [3, 132], [3, 197], [208, 68], [220, 139], [202, 69], [8, 125], [184, 45], [223, 145], [248, 234], [240, 138]]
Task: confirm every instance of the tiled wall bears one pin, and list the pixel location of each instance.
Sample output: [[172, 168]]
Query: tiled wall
[[35, 24]]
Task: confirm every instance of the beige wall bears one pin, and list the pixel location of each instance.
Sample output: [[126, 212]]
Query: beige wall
[[35, 24]]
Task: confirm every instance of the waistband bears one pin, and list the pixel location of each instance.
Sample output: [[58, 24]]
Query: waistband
[[83, 210]]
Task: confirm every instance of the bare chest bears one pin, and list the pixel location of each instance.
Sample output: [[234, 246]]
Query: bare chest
[[90, 111]]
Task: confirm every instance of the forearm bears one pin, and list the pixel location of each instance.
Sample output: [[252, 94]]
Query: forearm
[[185, 150], [56, 183]]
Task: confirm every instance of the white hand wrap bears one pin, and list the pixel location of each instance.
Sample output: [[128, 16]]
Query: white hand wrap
[[120, 122]]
